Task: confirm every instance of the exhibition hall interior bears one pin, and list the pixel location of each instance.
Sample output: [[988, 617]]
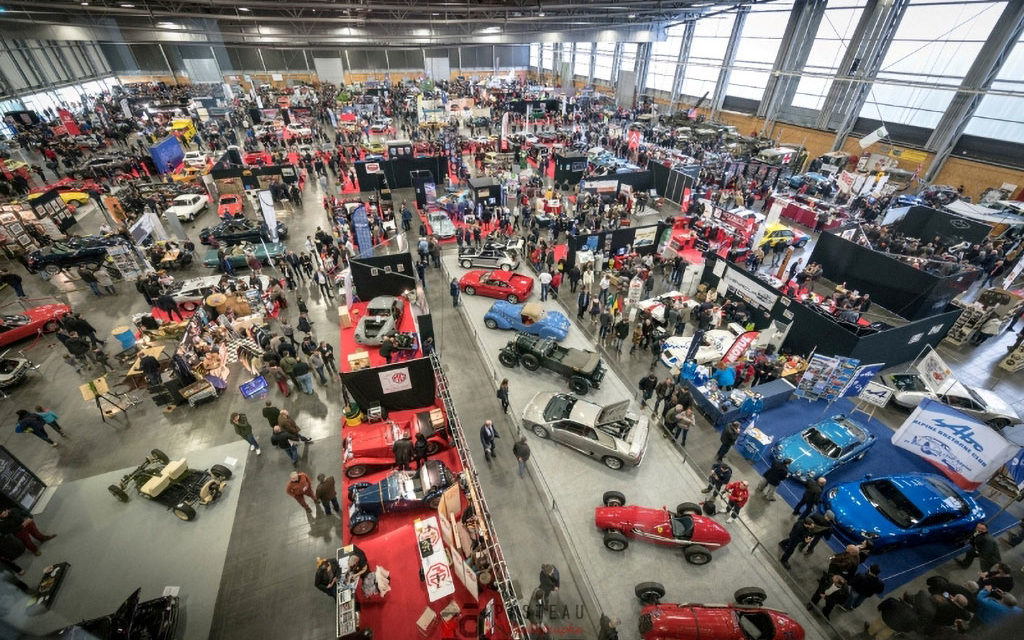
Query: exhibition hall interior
[[512, 319]]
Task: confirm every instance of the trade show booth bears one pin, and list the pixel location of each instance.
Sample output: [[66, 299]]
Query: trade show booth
[[398, 171], [609, 244], [927, 223]]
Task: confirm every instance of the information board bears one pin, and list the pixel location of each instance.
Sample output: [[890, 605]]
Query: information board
[[17, 482]]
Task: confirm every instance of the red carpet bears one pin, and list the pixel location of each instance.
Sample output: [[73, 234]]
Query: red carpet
[[348, 341]]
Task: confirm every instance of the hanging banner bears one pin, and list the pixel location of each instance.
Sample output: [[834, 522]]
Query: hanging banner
[[969, 452], [69, 123], [740, 346], [636, 138], [873, 137], [749, 289], [861, 379], [504, 130], [1016, 469], [845, 181], [935, 373], [269, 214], [126, 108]]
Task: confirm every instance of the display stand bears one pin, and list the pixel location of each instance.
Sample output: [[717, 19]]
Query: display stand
[[99, 391], [864, 407], [966, 325], [348, 617], [50, 584]]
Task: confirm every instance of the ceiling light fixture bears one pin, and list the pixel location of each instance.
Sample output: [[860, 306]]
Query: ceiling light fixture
[[84, 4], [245, 9], [125, 5], [541, 14], [632, 16]]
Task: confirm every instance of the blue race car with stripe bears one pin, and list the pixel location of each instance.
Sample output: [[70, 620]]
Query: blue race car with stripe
[[824, 446]]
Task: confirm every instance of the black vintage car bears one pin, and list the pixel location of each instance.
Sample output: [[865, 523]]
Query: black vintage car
[[399, 491], [104, 162], [239, 230], [155, 619], [584, 369], [90, 251]]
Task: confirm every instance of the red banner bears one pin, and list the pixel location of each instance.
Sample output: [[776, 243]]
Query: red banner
[[635, 138], [69, 122], [740, 346]]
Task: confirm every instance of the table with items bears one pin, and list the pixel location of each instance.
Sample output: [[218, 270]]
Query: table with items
[[722, 407]]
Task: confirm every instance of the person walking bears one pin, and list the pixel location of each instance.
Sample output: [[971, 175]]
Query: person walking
[[545, 284], [550, 581], [983, 546], [286, 422], [104, 280], [773, 477], [799, 533], [288, 331], [322, 281], [684, 421], [327, 351], [737, 495], [811, 496], [646, 387], [521, 450], [271, 414], [453, 289], [17, 522], [89, 278], [298, 487], [316, 361], [488, 434], [244, 431], [662, 392], [863, 586], [835, 591], [502, 394], [303, 374], [730, 434], [720, 475], [31, 423], [402, 449], [50, 418], [582, 302], [327, 494], [285, 441]]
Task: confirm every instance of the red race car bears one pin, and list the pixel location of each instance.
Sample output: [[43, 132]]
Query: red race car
[[229, 205], [370, 445], [500, 284], [18, 326], [697, 535], [745, 620]]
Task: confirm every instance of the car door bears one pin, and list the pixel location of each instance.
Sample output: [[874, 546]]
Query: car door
[[487, 258], [574, 435], [935, 527], [497, 288]]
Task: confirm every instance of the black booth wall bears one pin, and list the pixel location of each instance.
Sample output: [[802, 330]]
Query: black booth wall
[[620, 238], [639, 180], [926, 223], [659, 177], [904, 343], [897, 286], [365, 388], [399, 172], [386, 275], [678, 180]]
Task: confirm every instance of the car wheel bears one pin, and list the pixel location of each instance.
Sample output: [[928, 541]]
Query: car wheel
[[579, 385], [612, 462], [189, 306], [362, 524], [433, 446], [508, 359], [541, 431], [530, 362], [356, 471], [688, 509], [512, 298], [434, 501], [118, 492], [50, 326], [613, 499], [490, 323], [801, 244], [470, 291], [649, 592], [696, 554], [615, 541], [52, 269], [506, 267], [220, 472], [750, 596], [998, 423], [159, 456], [185, 512], [466, 264]]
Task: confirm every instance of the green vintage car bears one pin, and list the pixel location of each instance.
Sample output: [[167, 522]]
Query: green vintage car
[[236, 254]]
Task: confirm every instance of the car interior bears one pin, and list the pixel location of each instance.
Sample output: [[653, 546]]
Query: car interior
[[682, 527], [756, 625]]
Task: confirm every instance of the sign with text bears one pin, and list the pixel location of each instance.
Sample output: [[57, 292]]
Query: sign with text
[[437, 574], [748, 288]]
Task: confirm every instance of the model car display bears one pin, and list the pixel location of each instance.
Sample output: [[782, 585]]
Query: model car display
[[810, 178], [238, 230], [188, 207], [371, 446], [491, 258], [399, 491], [686, 528], [530, 318], [441, 226], [503, 285], [824, 446], [13, 371], [906, 509], [264, 252], [713, 345], [909, 390], [172, 484], [584, 369], [155, 619], [775, 234], [744, 620], [30, 322], [381, 318], [610, 433], [229, 205], [90, 251]]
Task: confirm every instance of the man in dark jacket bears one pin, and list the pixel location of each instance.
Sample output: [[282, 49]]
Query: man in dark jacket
[[730, 434], [773, 477], [81, 326], [646, 386], [983, 546], [799, 533], [149, 366], [823, 523], [488, 434], [271, 413], [812, 496], [166, 303], [865, 585], [402, 448], [582, 301], [78, 347], [286, 441], [721, 473], [521, 450]]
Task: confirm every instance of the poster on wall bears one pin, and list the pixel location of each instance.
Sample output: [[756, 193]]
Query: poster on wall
[[812, 382], [644, 237], [395, 380]]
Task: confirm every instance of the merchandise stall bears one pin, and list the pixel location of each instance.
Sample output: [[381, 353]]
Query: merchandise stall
[[993, 302], [807, 211]]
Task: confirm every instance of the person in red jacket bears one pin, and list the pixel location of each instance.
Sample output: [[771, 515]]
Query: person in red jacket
[[737, 494], [299, 486]]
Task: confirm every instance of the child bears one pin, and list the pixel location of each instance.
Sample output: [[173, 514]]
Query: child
[[50, 418]]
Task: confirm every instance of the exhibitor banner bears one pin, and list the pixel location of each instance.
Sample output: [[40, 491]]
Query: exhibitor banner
[[967, 451]]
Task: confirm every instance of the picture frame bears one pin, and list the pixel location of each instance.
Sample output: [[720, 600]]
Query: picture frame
[[24, 240], [8, 218], [16, 228]]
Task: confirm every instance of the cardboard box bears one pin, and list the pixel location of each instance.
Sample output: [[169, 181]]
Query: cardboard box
[[343, 317], [427, 622], [359, 360]]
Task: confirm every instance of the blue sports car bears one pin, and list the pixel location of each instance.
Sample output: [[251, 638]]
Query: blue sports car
[[824, 446], [530, 317], [908, 509], [399, 491]]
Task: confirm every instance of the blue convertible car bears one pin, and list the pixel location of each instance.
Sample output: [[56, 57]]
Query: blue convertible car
[[824, 446], [530, 317], [399, 491], [908, 509]]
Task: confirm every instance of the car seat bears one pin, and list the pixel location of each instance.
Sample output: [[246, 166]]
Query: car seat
[[174, 469], [155, 486], [682, 527]]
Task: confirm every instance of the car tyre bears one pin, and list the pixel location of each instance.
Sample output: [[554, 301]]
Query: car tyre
[[613, 499], [697, 554], [649, 592], [688, 509], [433, 447], [612, 462], [998, 423], [490, 323], [530, 362], [50, 326], [801, 244], [470, 291], [466, 264], [118, 492], [356, 471], [159, 456], [52, 269], [579, 385], [512, 298], [615, 541], [750, 596], [541, 431], [220, 472], [507, 359], [362, 524], [356, 488], [185, 512], [506, 267]]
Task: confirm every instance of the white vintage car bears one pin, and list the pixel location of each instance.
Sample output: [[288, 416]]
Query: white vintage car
[[714, 344], [188, 206]]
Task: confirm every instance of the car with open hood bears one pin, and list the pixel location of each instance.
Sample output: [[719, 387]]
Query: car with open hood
[[610, 433], [383, 313], [824, 446], [988, 406], [135, 619]]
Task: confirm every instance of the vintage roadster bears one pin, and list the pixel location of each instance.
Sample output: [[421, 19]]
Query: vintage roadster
[[173, 484], [584, 369], [371, 445], [399, 491]]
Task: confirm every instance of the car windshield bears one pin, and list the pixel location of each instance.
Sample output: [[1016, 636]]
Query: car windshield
[[824, 446], [891, 503], [974, 396], [951, 498], [559, 407]]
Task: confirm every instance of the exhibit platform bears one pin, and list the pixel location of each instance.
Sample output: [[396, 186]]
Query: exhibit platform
[[372, 357]]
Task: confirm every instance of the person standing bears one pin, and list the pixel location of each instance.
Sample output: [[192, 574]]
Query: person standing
[[773, 477], [50, 418], [165, 302], [89, 278], [730, 434], [453, 289], [298, 487], [286, 422], [420, 450], [662, 392], [823, 524], [316, 361], [983, 546], [737, 494], [244, 431], [811, 496], [322, 281], [488, 434], [582, 302], [104, 280], [12, 280], [303, 374], [684, 421], [285, 441], [327, 351], [608, 628], [288, 331], [327, 494], [271, 414], [646, 387], [545, 284], [720, 475], [19, 523], [402, 449], [502, 394], [835, 590], [550, 581], [521, 449], [863, 586], [799, 533], [31, 423]]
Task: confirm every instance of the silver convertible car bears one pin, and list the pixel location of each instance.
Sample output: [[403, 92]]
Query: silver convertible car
[[381, 319], [610, 433]]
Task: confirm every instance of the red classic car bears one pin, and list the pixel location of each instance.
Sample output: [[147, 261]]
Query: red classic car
[[500, 284], [695, 534], [370, 445], [18, 326], [745, 620], [229, 205]]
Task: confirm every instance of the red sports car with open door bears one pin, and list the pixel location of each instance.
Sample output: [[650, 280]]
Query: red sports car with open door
[[369, 446], [744, 620], [697, 535], [30, 322], [500, 284]]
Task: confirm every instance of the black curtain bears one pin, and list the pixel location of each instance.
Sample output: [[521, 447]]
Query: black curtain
[[366, 387], [386, 275]]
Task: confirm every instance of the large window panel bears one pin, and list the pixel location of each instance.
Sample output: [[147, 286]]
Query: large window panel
[[547, 59], [1002, 117], [665, 59], [755, 52], [603, 58], [834, 33], [535, 54], [710, 40], [581, 66], [628, 61]]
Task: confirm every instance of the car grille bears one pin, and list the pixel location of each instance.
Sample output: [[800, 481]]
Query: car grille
[[645, 623]]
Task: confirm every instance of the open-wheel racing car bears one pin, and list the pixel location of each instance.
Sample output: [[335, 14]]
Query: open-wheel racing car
[[747, 619], [584, 369], [383, 314], [173, 484], [371, 445], [697, 535], [399, 491]]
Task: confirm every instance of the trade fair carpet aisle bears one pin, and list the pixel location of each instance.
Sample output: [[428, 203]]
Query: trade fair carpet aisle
[[907, 562], [115, 548], [349, 345], [576, 484]]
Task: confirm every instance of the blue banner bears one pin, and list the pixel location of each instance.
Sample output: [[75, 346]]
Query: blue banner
[[860, 379], [361, 227], [167, 154]]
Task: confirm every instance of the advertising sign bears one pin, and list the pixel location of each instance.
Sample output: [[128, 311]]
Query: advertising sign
[[969, 452], [746, 287], [68, 121], [740, 346], [845, 181], [269, 214], [875, 393], [937, 376], [861, 378], [636, 138], [395, 380], [437, 574]]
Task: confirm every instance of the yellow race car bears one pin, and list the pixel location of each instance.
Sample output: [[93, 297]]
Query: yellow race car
[[76, 198]]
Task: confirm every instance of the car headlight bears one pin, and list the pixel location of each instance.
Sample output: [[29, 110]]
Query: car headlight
[[832, 493], [869, 535]]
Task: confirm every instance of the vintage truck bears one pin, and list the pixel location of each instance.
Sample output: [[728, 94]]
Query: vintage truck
[[584, 369]]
